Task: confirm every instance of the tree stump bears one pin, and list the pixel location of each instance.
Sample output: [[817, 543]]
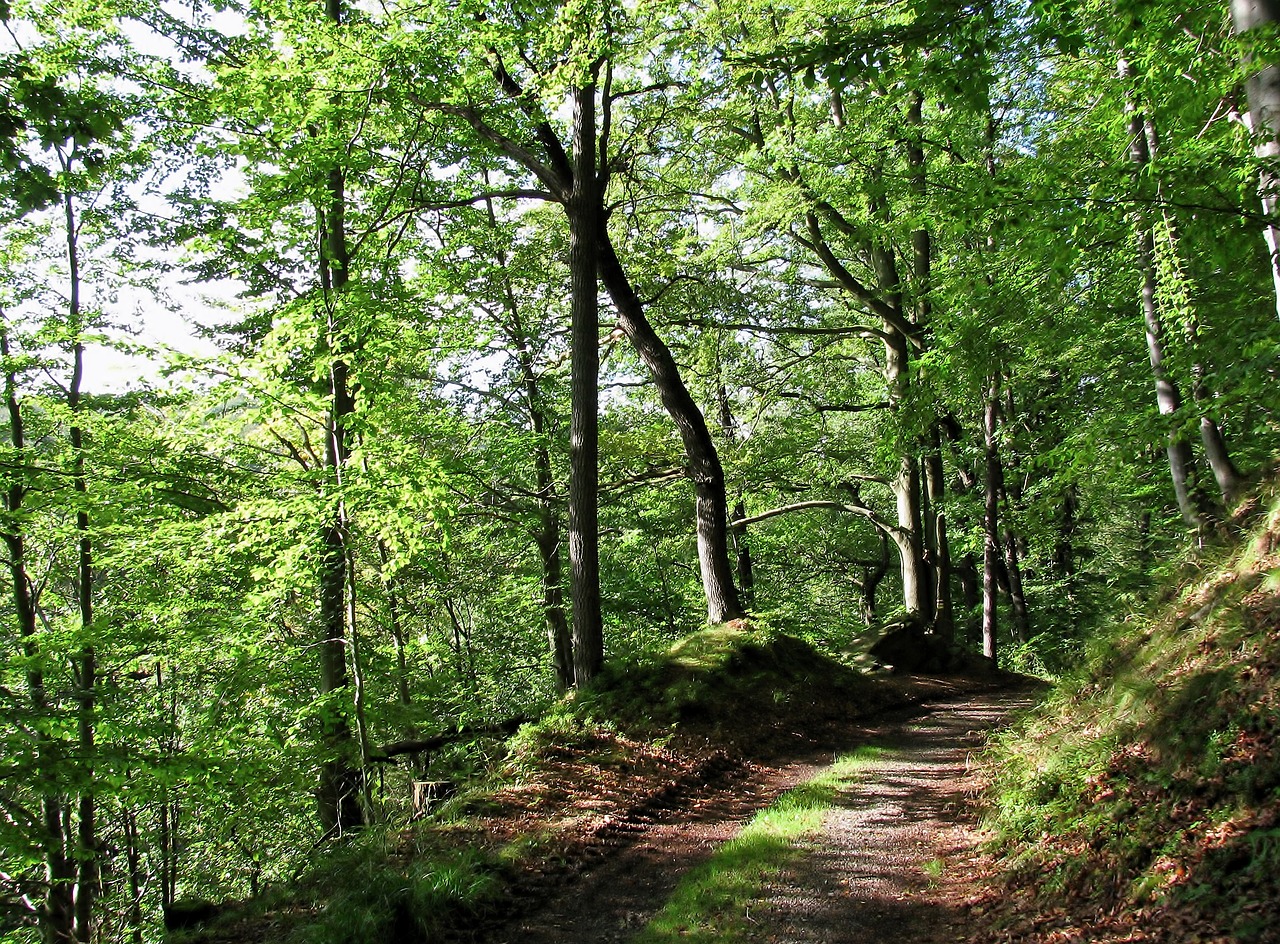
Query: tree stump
[[428, 794]]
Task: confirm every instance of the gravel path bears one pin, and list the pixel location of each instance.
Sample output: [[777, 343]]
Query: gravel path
[[876, 873]]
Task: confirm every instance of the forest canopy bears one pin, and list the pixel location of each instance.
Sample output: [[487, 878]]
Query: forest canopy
[[546, 334]]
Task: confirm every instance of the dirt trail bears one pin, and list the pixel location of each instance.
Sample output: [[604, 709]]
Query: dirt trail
[[884, 867], [866, 877]]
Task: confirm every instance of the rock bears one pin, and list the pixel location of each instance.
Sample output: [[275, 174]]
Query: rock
[[190, 913]]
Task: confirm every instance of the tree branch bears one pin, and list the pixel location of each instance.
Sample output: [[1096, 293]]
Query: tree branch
[[860, 510]]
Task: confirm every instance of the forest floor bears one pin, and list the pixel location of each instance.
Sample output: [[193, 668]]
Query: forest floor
[[896, 855]]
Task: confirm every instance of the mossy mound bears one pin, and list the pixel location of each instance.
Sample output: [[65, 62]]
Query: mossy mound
[[716, 677], [1153, 781]]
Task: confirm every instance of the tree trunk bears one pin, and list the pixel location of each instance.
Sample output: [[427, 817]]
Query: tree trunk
[[917, 589], [57, 913], [86, 866], [547, 538], [1263, 92], [397, 625], [583, 209], [871, 579], [935, 484], [1230, 483], [1064, 552], [86, 889], [971, 593], [1168, 399], [704, 463], [737, 532], [992, 484], [1020, 617], [341, 782]]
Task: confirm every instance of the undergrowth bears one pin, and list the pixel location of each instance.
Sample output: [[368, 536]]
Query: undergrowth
[[1152, 778]]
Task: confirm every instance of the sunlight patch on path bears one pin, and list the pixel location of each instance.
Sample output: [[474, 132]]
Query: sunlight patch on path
[[712, 902], [853, 855]]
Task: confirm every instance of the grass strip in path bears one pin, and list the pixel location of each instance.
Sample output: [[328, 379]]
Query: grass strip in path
[[712, 902]]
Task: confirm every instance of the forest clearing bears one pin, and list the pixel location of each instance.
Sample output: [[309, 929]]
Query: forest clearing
[[461, 458]]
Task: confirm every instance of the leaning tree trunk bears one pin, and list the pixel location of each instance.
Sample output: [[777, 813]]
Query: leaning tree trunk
[[704, 463], [563, 178], [1253, 20], [1230, 483], [583, 209]]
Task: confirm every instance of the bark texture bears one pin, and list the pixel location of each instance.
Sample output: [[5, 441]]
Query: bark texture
[[1263, 91], [341, 780], [583, 209]]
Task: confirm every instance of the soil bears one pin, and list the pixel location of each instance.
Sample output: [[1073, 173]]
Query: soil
[[894, 857]]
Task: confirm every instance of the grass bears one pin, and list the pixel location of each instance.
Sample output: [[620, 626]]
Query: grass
[[361, 894], [712, 902]]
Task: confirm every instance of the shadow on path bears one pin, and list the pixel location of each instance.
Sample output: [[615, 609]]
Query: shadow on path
[[864, 878]]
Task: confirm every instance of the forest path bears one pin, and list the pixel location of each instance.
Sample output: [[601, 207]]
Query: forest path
[[877, 870]]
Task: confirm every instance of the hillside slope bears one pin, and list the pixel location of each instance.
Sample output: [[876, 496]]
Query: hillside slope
[[1142, 802]]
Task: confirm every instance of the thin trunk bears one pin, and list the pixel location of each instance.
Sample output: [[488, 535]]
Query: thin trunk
[[935, 486], [547, 538], [1168, 399], [737, 532], [992, 484], [1020, 617], [133, 860], [704, 463], [1064, 553], [87, 868], [583, 209], [1253, 20], [1014, 546], [559, 635], [971, 593], [872, 577], [57, 913], [358, 689], [397, 625]]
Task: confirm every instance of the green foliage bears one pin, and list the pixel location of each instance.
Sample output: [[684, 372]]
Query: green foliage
[[365, 891]]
